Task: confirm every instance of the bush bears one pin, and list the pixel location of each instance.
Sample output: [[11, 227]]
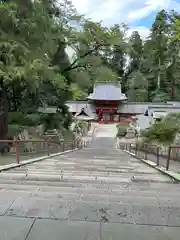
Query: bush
[[121, 130], [18, 118], [67, 134], [15, 118], [163, 132], [14, 130], [82, 124], [32, 119]]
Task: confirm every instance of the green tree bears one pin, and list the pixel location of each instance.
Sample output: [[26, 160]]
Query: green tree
[[137, 87], [91, 63], [136, 82], [163, 132], [28, 42], [115, 57], [135, 52], [173, 68], [156, 56]]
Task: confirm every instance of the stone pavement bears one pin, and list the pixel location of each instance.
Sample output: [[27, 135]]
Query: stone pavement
[[94, 193]]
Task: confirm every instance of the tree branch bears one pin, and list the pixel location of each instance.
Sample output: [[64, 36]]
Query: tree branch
[[71, 66], [75, 67]]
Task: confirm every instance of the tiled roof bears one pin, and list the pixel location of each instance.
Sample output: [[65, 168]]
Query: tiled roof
[[107, 91], [166, 109], [133, 108], [88, 111], [140, 108]]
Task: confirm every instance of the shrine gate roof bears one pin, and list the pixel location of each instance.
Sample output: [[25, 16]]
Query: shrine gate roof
[[110, 91]]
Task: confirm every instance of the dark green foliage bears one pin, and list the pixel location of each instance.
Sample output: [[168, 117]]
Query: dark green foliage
[[121, 130], [51, 121], [17, 118], [163, 131], [82, 124], [14, 130], [60, 120], [135, 53], [35, 69]]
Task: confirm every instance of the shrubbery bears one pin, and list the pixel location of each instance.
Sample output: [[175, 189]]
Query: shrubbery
[[164, 131], [80, 125], [21, 119], [121, 130], [18, 121], [14, 130]]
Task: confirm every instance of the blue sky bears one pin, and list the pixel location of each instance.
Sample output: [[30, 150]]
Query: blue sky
[[138, 14], [147, 21]]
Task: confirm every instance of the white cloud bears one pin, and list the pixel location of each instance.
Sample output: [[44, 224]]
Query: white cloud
[[108, 10], [81, 6], [103, 9], [122, 10], [128, 11], [149, 7]]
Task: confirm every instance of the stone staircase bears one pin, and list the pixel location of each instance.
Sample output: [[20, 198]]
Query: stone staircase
[[94, 184]]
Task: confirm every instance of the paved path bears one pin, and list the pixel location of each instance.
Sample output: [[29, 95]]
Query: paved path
[[97, 193]]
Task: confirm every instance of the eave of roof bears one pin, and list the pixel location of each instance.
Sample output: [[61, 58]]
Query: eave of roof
[[107, 91]]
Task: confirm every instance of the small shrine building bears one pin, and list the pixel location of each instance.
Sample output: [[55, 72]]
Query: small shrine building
[[107, 104]]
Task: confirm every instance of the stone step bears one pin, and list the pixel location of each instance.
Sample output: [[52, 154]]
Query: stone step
[[64, 178], [89, 169], [94, 211], [154, 178], [84, 165], [79, 199], [84, 189], [78, 168], [89, 198], [75, 172], [10, 196], [88, 184], [94, 194], [84, 178], [93, 170], [40, 176], [108, 177], [133, 185]]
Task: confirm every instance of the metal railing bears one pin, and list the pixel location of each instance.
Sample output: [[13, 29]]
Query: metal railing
[[153, 153], [18, 150]]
